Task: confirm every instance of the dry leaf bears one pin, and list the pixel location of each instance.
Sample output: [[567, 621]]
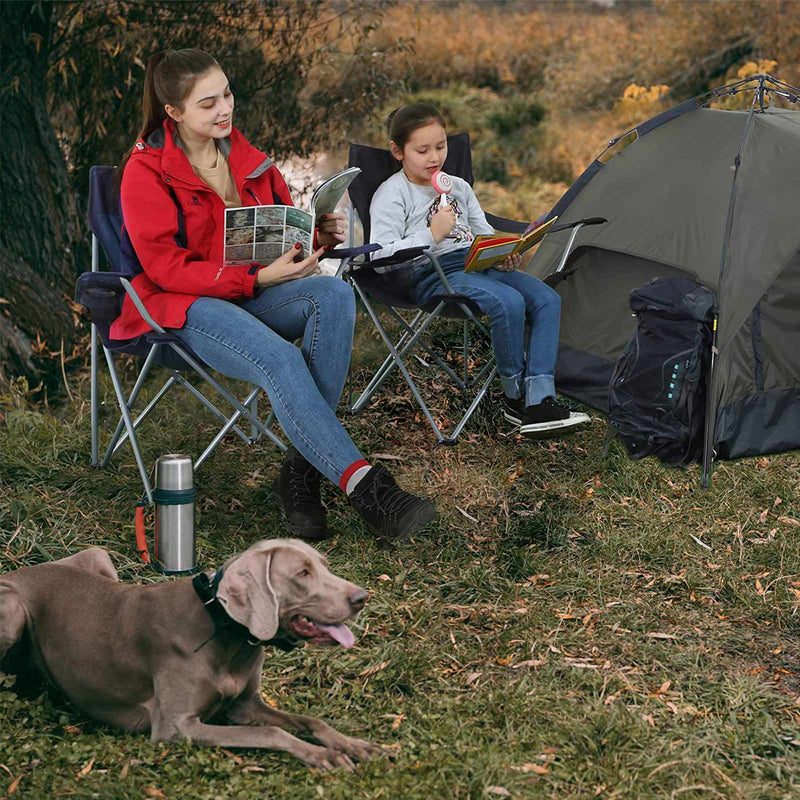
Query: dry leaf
[[498, 790], [535, 662], [253, 768], [657, 635], [152, 791], [396, 723], [87, 769], [14, 784], [123, 773], [384, 577]]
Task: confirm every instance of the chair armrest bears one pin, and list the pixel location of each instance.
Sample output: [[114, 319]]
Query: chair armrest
[[350, 252], [398, 257], [567, 225], [137, 301], [506, 225]]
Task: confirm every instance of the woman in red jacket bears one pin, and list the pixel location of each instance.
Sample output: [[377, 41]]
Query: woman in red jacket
[[188, 164]]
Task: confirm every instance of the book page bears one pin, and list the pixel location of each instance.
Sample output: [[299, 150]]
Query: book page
[[328, 194], [264, 233]]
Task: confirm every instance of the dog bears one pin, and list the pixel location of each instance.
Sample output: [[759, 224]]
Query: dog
[[183, 659]]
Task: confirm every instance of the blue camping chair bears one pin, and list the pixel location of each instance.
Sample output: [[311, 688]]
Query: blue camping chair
[[391, 281], [102, 293]]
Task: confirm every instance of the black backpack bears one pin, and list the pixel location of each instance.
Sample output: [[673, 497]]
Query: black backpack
[[657, 395]]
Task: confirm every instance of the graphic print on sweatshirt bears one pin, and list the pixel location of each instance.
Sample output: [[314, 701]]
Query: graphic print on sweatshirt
[[461, 234]]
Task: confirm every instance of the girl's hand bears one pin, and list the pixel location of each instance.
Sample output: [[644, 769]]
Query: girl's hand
[[332, 230], [442, 222], [286, 268], [509, 264]]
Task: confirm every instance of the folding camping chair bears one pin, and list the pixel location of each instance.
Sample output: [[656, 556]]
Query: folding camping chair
[[390, 282], [102, 293]]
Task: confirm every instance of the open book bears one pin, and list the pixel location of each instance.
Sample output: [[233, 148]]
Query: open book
[[488, 250], [264, 233]]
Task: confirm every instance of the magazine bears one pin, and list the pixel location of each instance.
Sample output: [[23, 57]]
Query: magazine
[[263, 233], [488, 250]]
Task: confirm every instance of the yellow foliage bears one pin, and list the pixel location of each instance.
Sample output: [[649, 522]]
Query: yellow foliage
[[765, 65]]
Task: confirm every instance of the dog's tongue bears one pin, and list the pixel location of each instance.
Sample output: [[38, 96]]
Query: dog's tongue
[[340, 632]]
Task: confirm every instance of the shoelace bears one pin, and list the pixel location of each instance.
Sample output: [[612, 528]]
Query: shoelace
[[303, 484], [394, 500]]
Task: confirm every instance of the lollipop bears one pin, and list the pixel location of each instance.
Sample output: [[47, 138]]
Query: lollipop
[[443, 183]]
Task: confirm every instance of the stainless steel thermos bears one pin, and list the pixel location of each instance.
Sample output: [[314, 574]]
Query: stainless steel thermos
[[174, 498]]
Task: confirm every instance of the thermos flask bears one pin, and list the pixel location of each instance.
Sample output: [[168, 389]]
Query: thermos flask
[[174, 498]]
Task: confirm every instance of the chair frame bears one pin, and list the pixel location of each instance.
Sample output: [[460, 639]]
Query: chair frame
[[451, 305], [128, 424]]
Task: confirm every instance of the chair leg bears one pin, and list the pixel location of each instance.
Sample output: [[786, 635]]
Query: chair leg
[[113, 444], [251, 399], [128, 424], [402, 367], [478, 397], [94, 401], [228, 396]]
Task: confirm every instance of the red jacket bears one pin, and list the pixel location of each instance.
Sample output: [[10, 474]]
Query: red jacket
[[172, 237]]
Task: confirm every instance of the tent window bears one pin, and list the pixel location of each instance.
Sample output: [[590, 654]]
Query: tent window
[[618, 146]]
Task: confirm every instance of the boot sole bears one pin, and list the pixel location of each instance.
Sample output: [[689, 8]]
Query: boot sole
[[416, 522], [547, 430]]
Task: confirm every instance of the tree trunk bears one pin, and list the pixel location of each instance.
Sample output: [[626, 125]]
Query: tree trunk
[[42, 241]]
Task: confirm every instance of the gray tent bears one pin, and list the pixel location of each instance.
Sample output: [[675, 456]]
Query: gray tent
[[713, 195]]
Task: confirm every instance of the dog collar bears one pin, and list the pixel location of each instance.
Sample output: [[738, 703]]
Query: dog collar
[[206, 590]]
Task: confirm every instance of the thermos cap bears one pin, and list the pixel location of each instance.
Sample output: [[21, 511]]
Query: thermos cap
[[174, 471]]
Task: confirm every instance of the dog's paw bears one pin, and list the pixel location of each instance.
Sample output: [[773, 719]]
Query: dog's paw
[[360, 749], [326, 758]]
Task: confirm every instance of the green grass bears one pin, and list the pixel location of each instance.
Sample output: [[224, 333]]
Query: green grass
[[559, 633]]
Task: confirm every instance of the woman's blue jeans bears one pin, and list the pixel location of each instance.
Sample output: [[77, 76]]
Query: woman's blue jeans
[[251, 340], [509, 299]]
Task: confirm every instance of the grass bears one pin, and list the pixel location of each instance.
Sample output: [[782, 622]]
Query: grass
[[572, 627]]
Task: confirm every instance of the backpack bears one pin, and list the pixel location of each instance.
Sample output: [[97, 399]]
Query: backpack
[[657, 394]]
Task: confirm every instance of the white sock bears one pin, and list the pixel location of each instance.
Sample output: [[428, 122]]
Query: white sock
[[356, 477]]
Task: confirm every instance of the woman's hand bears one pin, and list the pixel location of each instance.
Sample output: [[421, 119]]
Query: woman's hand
[[442, 222], [332, 230], [286, 268], [509, 264]]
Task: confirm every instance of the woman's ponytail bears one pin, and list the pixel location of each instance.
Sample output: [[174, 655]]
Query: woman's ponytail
[[168, 80]]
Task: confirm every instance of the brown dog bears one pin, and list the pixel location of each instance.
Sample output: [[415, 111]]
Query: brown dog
[[184, 658]]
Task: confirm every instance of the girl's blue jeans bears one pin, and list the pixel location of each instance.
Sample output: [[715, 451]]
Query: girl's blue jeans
[[251, 340], [509, 299]]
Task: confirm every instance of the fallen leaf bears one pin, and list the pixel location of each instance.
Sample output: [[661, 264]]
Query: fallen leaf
[[498, 790], [253, 768], [153, 791], [123, 773], [87, 769], [14, 784], [535, 662], [657, 635]]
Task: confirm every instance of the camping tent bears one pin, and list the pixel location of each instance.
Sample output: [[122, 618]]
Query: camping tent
[[710, 194]]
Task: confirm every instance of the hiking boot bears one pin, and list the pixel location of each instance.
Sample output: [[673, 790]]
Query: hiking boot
[[548, 419], [392, 513], [297, 489], [513, 409]]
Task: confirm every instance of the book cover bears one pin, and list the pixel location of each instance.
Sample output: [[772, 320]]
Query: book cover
[[488, 250], [264, 233]]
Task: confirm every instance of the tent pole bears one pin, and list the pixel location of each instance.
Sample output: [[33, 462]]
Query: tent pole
[[711, 406]]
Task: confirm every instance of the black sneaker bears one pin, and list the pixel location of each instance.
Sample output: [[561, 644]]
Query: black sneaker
[[513, 410], [392, 513], [548, 419], [297, 489]]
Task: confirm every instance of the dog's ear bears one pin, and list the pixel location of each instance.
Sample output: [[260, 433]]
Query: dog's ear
[[247, 595]]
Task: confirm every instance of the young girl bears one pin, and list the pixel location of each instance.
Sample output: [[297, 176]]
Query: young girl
[[188, 164], [406, 211]]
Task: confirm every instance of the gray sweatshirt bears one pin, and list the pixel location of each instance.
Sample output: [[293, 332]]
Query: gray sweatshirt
[[401, 211]]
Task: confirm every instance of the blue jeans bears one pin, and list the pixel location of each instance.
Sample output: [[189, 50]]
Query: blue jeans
[[251, 340], [509, 299]]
